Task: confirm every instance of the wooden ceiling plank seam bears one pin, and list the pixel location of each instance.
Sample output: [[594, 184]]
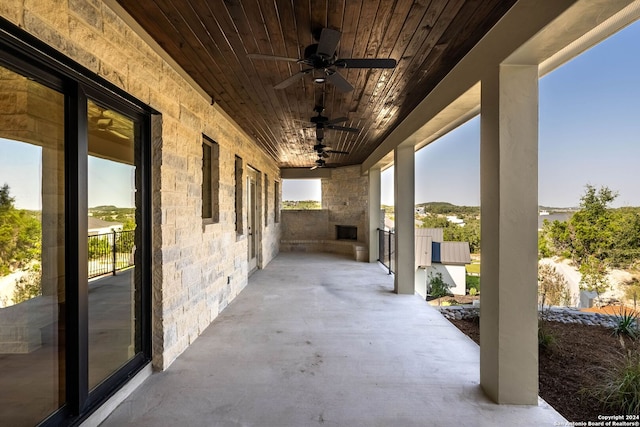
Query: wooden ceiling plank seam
[[319, 19], [396, 22], [302, 14], [411, 47], [346, 47], [430, 19], [335, 14], [290, 31], [439, 19], [287, 24], [471, 12], [268, 137], [182, 28], [378, 31], [195, 62], [363, 32], [273, 28], [236, 44], [254, 13]]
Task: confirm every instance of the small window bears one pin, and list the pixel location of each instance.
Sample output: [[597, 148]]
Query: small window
[[276, 201], [238, 195], [210, 180]]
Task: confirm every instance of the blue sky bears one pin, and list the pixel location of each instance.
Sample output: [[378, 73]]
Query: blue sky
[[110, 183], [589, 134]]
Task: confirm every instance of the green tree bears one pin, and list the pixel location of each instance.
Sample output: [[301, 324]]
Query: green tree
[[594, 276], [20, 234], [590, 230]]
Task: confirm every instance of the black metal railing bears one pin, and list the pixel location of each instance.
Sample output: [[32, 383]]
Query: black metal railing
[[110, 252], [387, 249]]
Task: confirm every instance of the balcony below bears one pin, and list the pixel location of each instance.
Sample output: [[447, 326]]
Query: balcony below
[[322, 339]]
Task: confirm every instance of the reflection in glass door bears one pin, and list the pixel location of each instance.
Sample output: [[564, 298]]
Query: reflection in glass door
[[112, 227], [32, 246]]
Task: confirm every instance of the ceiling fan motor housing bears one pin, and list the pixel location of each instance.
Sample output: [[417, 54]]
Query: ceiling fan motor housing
[[317, 60]]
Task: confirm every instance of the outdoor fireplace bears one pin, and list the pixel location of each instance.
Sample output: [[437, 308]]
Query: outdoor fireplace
[[346, 232]]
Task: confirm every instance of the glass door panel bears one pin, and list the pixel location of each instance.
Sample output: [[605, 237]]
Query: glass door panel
[[113, 286], [32, 246]]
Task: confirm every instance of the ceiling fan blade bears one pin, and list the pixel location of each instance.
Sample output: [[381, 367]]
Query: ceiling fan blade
[[365, 63], [338, 120], [324, 154], [328, 42], [339, 82], [291, 80], [271, 57], [336, 152], [346, 129]]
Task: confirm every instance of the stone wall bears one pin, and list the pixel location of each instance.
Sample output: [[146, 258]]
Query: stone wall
[[346, 196], [197, 269], [305, 225]]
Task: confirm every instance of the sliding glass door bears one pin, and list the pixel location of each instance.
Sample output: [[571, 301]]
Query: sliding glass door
[[74, 241]]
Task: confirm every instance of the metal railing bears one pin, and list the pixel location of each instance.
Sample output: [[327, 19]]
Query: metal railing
[[110, 252], [387, 249]]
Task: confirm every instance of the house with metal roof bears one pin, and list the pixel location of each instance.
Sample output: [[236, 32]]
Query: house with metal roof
[[434, 255]]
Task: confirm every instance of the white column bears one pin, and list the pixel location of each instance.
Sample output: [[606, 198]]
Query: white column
[[374, 213], [509, 200], [404, 188]]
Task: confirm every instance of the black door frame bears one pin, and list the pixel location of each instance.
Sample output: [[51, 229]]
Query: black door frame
[[24, 54]]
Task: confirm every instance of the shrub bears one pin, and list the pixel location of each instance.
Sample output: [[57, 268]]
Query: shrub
[[546, 340], [619, 390], [438, 287], [626, 323], [472, 282], [553, 289], [473, 292], [28, 286]]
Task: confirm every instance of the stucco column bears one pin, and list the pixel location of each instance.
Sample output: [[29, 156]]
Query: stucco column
[[509, 200], [404, 190], [374, 212]]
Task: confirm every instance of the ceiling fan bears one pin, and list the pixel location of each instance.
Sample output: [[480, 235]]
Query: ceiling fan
[[102, 123], [321, 123], [324, 151], [320, 163], [323, 62]]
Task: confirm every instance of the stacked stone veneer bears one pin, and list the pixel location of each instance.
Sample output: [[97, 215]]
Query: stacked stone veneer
[[344, 202], [562, 315], [197, 269], [346, 196]]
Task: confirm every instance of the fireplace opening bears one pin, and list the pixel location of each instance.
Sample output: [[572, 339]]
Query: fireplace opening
[[346, 232]]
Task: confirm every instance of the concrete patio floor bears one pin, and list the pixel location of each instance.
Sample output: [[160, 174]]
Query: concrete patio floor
[[319, 339]]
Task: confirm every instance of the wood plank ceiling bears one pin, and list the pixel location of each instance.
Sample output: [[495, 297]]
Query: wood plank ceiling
[[211, 40]]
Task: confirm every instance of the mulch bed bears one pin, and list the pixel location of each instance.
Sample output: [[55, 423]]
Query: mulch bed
[[574, 363]]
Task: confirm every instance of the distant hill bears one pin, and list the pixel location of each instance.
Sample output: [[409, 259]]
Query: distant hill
[[448, 208]]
